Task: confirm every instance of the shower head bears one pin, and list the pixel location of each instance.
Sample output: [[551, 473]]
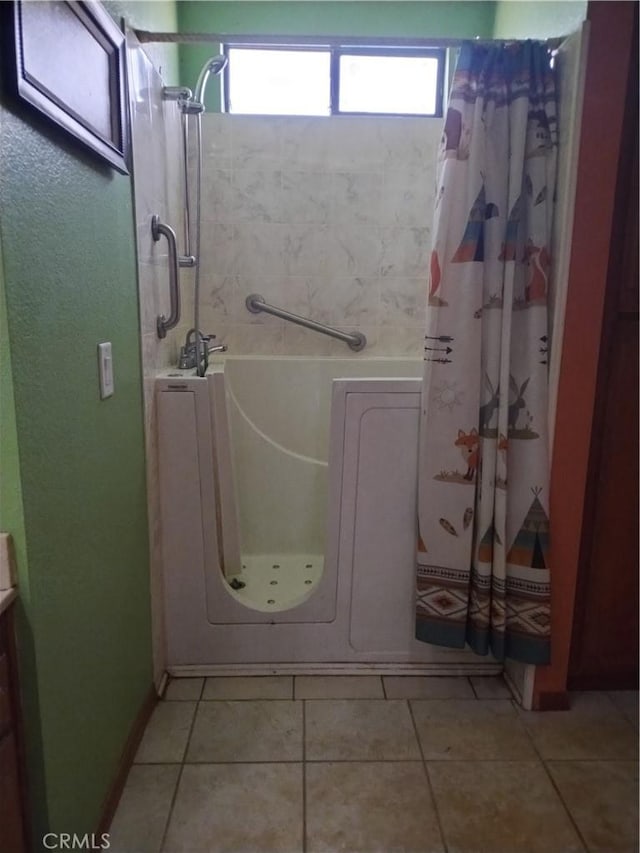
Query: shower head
[[215, 65]]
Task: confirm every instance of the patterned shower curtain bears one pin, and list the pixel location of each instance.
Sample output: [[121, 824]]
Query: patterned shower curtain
[[482, 569]]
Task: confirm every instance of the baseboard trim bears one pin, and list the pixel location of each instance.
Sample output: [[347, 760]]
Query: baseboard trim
[[162, 685], [434, 669], [126, 760], [551, 700], [513, 687]]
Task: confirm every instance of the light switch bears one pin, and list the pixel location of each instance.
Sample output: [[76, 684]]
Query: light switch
[[105, 369]]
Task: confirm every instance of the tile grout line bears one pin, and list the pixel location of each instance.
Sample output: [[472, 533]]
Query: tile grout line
[[179, 779], [341, 699], [297, 761], [239, 699], [543, 762], [304, 776], [564, 805], [390, 761], [428, 777]]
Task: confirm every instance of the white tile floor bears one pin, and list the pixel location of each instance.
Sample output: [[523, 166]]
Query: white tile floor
[[362, 764]]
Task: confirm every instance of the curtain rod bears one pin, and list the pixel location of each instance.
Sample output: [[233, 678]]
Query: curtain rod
[[378, 41]]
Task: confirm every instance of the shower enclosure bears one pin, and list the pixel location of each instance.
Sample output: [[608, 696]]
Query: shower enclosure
[[298, 451]]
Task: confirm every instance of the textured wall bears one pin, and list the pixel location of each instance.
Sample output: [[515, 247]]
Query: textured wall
[[70, 279], [156, 16], [71, 282], [522, 19], [12, 521], [327, 217]]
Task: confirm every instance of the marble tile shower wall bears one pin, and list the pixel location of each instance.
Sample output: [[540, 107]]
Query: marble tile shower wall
[[326, 217]]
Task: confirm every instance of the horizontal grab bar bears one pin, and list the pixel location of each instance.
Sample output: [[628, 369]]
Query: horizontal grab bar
[[255, 303]]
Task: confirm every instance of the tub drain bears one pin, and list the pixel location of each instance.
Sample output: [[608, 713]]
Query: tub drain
[[271, 601]]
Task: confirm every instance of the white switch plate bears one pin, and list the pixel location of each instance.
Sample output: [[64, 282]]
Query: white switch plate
[[105, 369]]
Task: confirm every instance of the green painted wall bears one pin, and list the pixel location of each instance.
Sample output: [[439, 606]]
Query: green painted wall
[[520, 19], [156, 16], [12, 521], [403, 19], [69, 270], [11, 510]]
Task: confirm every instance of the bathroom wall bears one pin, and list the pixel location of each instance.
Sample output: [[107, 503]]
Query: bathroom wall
[[67, 234], [402, 19], [11, 509], [531, 19], [81, 459], [12, 521], [327, 217], [154, 16]]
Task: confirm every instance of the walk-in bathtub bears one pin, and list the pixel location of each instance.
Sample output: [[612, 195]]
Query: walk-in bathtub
[[288, 490]]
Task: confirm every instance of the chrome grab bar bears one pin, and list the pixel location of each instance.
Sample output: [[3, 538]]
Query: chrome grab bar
[[255, 303], [158, 229]]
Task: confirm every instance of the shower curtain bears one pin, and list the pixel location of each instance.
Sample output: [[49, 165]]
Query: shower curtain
[[482, 569]]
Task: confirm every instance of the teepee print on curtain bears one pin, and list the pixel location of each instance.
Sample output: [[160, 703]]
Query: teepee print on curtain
[[482, 567]]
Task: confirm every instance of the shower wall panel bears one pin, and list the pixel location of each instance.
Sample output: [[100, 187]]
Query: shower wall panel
[[155, 128], [327, 217]]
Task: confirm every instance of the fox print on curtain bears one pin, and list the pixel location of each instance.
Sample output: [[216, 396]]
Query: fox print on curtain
[[482, 571]]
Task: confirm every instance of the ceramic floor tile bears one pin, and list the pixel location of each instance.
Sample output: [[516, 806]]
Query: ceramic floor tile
[[427, 687], [338, 687], [166, 735], [457, 730], [141, 817], [359, 730], [181, 689], [627, 702], [500, 807], [370, 807], [490, 687], [593, 728], [238, 808], [251, 687], [602, 797], [260, 730]]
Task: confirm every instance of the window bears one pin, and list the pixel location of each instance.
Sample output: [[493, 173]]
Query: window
[[322, 80]]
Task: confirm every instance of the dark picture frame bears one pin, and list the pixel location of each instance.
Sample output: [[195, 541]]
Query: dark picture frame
[[70, 65]]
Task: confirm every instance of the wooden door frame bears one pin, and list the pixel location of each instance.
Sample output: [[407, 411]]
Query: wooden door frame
[[601, 144]]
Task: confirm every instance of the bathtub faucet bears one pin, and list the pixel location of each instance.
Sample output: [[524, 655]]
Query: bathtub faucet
[[188, 353]]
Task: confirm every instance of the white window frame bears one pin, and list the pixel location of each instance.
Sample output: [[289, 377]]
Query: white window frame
[[346, 49]]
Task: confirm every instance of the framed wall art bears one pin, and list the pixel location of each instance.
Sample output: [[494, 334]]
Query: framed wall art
[[69, 65]]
